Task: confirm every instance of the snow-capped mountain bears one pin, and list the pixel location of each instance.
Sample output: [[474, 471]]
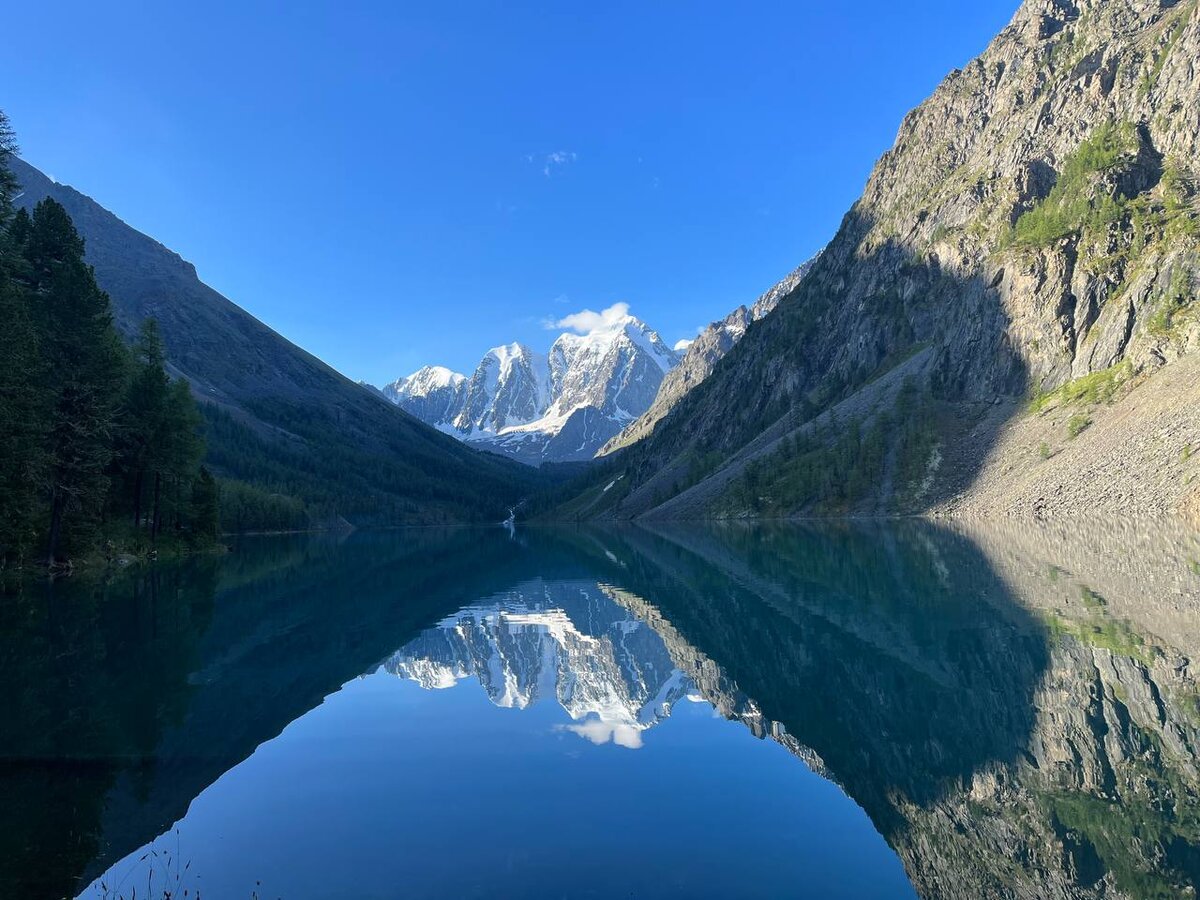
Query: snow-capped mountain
[[568, 642], [558, 406], [432, 393], [509, 387]]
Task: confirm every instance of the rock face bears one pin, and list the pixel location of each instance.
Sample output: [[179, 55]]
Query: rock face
[[1034, 226], [702, 356], [557, 407]]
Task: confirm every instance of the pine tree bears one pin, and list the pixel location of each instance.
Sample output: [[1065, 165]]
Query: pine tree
[[144, 421], [85, 364], [182, 451], [205, 513], [21, 373], [8, 181]]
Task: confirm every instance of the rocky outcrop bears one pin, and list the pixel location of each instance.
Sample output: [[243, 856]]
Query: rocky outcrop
[[1035, 225], [701, 357]]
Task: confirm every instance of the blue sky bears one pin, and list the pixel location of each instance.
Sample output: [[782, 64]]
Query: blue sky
[[393, 184]]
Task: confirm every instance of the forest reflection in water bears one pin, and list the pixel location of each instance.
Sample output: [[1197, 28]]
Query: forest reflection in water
[[1014, 710]]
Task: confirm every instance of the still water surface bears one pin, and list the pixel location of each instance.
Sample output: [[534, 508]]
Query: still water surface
[[844, 711]]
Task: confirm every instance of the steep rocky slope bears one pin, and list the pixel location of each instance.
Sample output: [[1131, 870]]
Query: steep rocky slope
[[702, 356], [1033, 233], [284, 413]]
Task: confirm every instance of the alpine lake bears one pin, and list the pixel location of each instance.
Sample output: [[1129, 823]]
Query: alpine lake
[[850, 709]]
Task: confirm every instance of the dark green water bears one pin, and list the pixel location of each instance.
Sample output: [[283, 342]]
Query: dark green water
[[847, 711]]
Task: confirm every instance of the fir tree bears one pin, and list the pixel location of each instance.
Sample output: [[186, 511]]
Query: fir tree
[[21, 372], [85, 364], [87, 430], [182, 450], [8, 181], [205, 514], [144, 424]]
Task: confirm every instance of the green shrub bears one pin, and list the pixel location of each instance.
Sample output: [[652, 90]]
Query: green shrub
[[1078, 424], [1150, 77], [1176, 302], [1070, 205], [1098, 387]]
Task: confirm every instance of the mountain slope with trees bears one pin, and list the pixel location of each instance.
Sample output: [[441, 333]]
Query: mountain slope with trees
[[301, 444], [95, 441]]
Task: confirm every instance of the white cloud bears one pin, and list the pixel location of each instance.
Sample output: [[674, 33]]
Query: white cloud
[[683, 344], [557, 159], [587, 321], [600, 732]]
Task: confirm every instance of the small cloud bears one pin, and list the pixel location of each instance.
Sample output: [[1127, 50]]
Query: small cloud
[[683, 344], [561, 299], [557, 160], [587, 321], [599, 732]]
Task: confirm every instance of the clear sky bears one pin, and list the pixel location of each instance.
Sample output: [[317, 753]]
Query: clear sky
[[390, 184]]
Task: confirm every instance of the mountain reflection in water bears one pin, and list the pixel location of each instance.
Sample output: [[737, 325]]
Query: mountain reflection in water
[[1014, 711]]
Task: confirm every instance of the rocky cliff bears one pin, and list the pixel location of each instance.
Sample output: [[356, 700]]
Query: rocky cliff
[[701, 357], [1032, 233]]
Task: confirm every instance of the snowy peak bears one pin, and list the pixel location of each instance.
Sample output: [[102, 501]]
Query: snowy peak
[[506, 389], [617, 370], [425, 381], [432, 393], [562, 405]]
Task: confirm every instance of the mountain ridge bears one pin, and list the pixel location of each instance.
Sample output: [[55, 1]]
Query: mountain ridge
[[701, 356], [558, 406]]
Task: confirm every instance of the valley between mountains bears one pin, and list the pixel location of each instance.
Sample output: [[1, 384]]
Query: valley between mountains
[[1006, 323]]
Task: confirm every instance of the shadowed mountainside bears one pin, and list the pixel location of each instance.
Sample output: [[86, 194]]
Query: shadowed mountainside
[[279, 417]]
